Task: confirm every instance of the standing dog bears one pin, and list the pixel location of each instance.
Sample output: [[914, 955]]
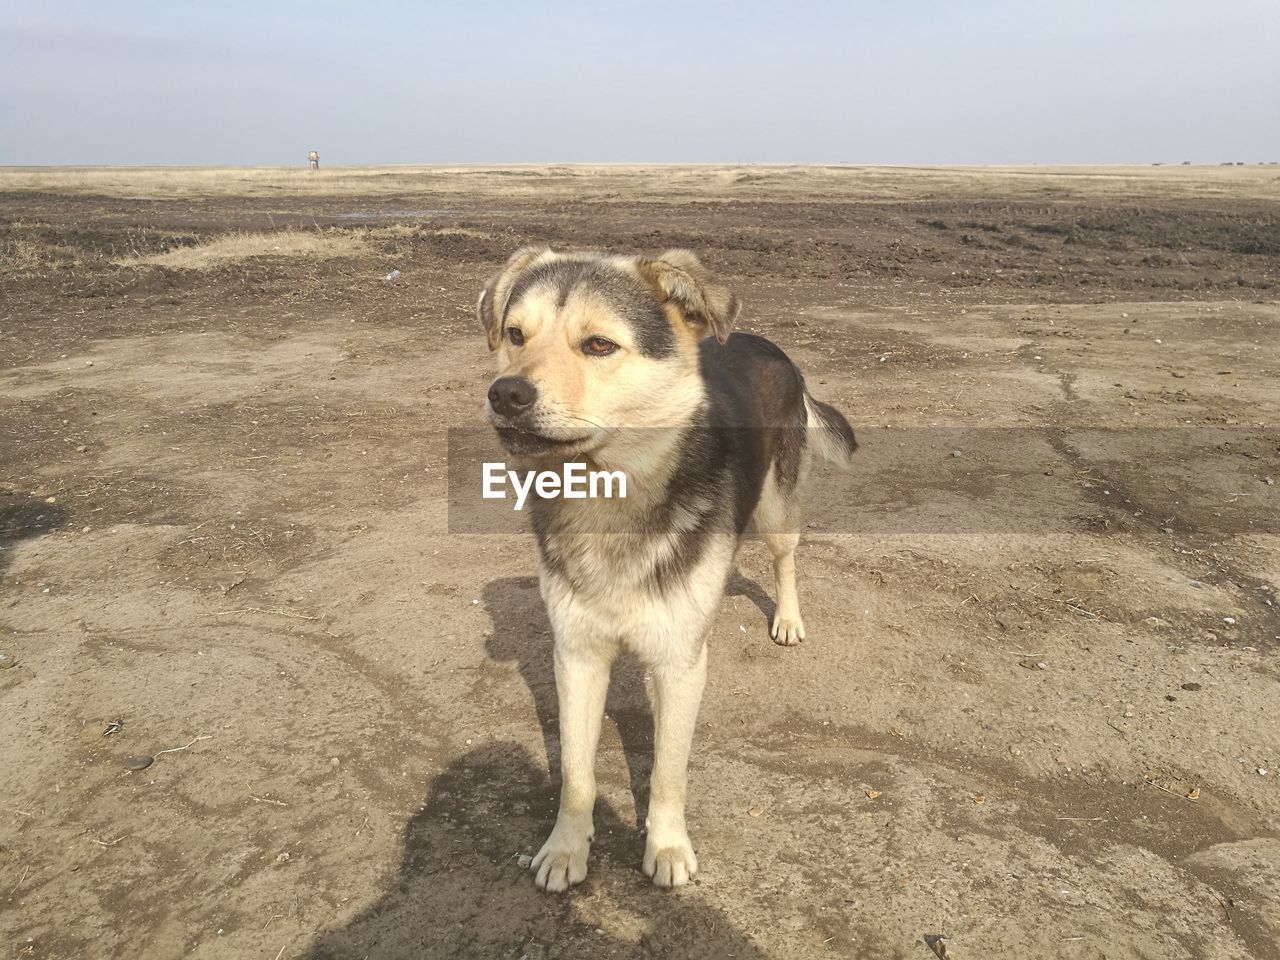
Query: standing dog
[[627, 363]]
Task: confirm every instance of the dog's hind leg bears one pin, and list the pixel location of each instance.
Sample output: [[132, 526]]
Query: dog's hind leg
[[777, 521], [787, 628], [582, 682], [668, 854]]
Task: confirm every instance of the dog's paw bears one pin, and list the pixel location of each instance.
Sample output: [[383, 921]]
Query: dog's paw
[[562, 861], [787, 631], [670, 866]]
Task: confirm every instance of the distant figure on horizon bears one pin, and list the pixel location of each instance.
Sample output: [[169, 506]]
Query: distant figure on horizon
[[313, 160]]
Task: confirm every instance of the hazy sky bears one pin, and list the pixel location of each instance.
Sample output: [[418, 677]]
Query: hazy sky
[[917, 81]]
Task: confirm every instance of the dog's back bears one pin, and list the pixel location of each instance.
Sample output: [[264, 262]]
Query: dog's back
[[760, 414]]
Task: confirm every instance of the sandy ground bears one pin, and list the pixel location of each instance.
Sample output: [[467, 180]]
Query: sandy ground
[[1036, 712]]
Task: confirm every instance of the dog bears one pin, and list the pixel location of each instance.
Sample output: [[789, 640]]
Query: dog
[[628, 363]]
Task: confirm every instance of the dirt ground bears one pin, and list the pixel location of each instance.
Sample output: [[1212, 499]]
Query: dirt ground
[[1037, 710]]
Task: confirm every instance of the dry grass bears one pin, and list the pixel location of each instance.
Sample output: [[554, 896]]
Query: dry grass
[[439, 185], [242, 246]]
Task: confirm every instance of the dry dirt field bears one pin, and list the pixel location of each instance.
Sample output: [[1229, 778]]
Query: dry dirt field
[[1038, 712]]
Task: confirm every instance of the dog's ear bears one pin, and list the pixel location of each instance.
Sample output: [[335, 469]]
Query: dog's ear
[[492, 303], [682, 280]]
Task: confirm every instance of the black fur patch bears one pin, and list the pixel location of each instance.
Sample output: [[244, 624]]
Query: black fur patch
[[754, 418], [628, 295]]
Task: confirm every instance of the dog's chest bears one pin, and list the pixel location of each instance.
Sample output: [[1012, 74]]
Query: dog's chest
[[606, 589], [601, 564]]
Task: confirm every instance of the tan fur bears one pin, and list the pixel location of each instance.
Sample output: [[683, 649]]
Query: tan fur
[[681, 277], [493, 298]]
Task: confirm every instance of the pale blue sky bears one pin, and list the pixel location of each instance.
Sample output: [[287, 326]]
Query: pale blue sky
[[985, 81]]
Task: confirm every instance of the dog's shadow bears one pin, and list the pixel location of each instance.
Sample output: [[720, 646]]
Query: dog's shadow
[[462, 891]]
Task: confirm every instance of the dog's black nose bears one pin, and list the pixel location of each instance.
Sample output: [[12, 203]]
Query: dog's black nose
[[512, 396]]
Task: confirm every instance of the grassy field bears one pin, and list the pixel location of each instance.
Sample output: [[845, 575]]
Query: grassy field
[[659, 183]]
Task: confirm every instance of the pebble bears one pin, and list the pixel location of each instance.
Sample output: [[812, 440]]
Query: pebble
[[1192, 686], [139, 762], [81, 449], [7, 660], [525, 861]]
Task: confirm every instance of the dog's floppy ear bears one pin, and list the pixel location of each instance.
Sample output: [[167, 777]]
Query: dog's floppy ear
[[682, 280], [492, 303]]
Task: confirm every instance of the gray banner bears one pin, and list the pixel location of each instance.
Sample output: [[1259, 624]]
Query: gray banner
[[1193, 480]]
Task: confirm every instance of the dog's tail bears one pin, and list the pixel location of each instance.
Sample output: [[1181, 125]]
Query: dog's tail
[[829, 432]]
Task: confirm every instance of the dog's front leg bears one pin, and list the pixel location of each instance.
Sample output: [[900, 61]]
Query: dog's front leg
[[582, 681], [668, 855]]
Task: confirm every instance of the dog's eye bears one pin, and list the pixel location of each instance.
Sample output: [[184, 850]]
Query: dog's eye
[[516, 336], [598, 346]]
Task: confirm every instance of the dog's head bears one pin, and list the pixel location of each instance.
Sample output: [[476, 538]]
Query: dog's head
[[588, 343]]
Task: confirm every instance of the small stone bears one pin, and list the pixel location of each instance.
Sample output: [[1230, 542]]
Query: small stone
[[956, 453], [525, 861], [1192, 686], [1229, 621], [81, 449], [334, 761], [7, 660], [283, 858], [1263, 771], [1166, 529], [138, 762]]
